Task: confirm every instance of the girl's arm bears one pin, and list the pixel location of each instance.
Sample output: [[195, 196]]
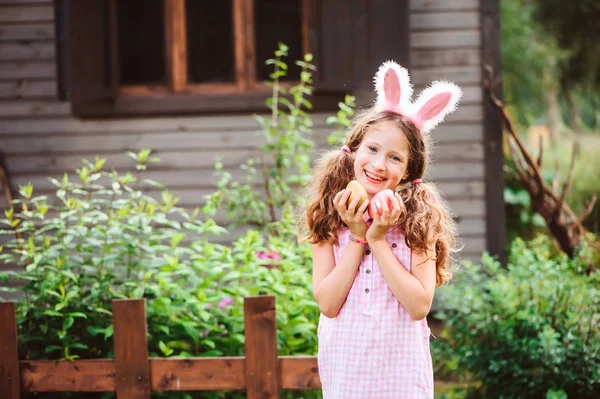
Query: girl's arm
[[414, 289], [331, 282]]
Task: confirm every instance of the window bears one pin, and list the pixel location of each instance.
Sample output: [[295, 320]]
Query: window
[[138, 57], [206, 43]]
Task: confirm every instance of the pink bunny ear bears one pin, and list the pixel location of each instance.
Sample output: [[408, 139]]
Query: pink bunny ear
[[393, 88], [434, 103]]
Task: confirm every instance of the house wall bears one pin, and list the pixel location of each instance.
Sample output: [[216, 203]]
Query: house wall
[[39, 138]]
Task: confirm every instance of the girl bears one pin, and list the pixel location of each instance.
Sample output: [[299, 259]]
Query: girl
[[373, 279]]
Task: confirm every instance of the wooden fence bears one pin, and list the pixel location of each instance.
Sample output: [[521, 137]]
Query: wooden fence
[[132, 374]]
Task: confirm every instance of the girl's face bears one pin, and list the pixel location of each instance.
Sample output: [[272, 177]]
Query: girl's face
[[381, 159]]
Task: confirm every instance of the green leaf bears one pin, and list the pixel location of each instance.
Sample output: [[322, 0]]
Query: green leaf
[[164, 348], [78, 345], [105, 311], [68, 322], [53, 348], [108, 332], [77, 314], [53, 313], [164, 329]]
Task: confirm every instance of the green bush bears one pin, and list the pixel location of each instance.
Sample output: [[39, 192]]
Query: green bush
[[527, 331], [104, 237]]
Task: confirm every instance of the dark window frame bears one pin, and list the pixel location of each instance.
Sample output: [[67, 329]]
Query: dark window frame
[[348, 45]]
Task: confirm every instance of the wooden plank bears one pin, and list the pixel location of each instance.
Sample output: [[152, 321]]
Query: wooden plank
[[464, 208], [474, 257], [20, 13], [27, 69], [28, 109], [471, 95], [458, 152], [178, 160], [27, 51], [262, 365], [473, 245], [458, 74], [439, 5], [249, 41], [299, 372], [455, 170], [164, 125], [131, 348], [445, 38], [10, 386], [465, 113], [24, 2], [439, 57], [461, 188], [444, 20], [471, 226], [23, 143], [175, 43], [63, 376], [456, 133], [239, 44], [27, 89], [494, 156], [35, 31], [198, 374], [119, 143]]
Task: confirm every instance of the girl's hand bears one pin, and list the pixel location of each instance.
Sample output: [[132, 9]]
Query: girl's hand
[[350, 215], [385, 218]]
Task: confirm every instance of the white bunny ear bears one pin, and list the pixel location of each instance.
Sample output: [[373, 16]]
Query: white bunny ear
[[434, 103], [393, 88]]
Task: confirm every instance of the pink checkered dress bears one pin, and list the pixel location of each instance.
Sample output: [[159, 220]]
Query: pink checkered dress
[[373, 349]]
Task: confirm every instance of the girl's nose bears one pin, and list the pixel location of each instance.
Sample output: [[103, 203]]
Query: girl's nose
[[378, 163]]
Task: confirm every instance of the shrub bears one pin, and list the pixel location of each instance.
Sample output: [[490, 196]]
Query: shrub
[[104, 237], [527, 331]]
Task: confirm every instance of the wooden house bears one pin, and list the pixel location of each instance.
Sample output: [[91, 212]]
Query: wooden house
[[83, 78]]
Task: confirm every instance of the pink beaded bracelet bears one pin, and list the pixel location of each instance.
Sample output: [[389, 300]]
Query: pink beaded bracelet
[[358, 240]]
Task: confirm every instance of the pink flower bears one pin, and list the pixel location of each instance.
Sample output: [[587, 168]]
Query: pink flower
[[225, 302], [269, 255]]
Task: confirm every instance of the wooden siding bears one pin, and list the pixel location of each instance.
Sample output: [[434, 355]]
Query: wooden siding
[[40, 138]]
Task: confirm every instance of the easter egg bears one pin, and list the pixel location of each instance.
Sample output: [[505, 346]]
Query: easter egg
[[378, 199], [357, 190]]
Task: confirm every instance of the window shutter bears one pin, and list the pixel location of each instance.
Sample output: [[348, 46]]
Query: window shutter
[[90, 83], [350, 41]]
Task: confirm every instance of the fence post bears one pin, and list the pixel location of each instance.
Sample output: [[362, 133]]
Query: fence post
[[131, 349], [262, 364], [10, 385]]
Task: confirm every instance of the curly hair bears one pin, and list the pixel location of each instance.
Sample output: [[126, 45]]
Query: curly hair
[[428, 223]]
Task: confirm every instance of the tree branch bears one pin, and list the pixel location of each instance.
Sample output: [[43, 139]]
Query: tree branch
[[562, 222], [567, 182]]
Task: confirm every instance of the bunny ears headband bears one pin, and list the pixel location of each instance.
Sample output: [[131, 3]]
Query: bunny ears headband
[[394, 92]]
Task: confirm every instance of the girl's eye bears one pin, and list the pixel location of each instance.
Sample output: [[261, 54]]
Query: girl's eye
[[372, 149], [396, 158]]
